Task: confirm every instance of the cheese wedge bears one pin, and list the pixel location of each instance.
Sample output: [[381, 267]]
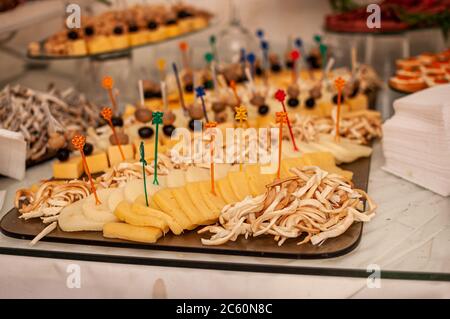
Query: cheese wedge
[[114, 155], [97, 162], [193, 190], [148, 211], [70, 169], [130, 232], [167, 203], [226, 191], [188, 207]]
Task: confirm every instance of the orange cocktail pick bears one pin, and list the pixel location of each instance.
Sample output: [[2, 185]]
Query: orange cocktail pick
[[211, 125], [339, 84], [107, 115], [241, 115], [233, 87], [108, 83], [184, 48], [78, 141], [281, 118], [280, 95]]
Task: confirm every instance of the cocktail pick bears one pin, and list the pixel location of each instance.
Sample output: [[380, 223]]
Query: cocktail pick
[[295, 55], [157, 120], [281, 118], [200, 92], [144, 163], [251, 58], [107, 115], [323, 53], [180, 90], [161, 64], [164, 95], [318, 39], [298, 43], [260, 33], [339, 83], [78, 142], [280, 95], [141, 93], [209, 57], [241, 116], [234, 89], [212, 43], [242, 57], [108, 84], [183, 48], [211, 125]]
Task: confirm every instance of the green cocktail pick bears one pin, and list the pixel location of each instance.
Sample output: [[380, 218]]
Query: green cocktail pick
[[318, 39], [323, 52], [212, 42], [209, 57], [144, 163], [157, 120]]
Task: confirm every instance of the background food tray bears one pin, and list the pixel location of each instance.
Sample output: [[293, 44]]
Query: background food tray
[[263, 246]]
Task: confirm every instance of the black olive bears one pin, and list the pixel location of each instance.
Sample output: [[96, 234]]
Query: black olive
[[335, 99], [191, 124], [168, 129], [276, 68], [133, 28], [117, 121], [242, 79], [72, 35], [209, 84], [310, 103], [259, 71], [263, 109], [152, 25], [182, 14], [118, 30], [290, 65], [313, 62], [146, 132], [293, 102], [152, 94], [63, 154], [89, 31], [171, 22], [189, 88], [88, 149]]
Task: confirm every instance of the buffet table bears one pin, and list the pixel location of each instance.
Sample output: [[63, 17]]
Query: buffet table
[[408, 240]]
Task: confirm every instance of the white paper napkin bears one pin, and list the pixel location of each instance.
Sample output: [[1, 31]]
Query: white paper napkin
[[13, 154]]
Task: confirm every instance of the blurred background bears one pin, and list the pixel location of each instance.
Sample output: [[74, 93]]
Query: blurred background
[[233, 21]]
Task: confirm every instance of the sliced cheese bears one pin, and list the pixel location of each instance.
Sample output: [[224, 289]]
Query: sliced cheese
[[131, 232], [188, 207], [148, 211], [167, 203], [239, 184], [195, 194], [225, 190]]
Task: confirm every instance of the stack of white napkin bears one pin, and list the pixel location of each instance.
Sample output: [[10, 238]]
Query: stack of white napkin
[[416, 140], [13, 154]]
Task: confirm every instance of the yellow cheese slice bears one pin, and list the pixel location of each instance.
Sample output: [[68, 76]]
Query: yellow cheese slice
[[148, 211], [193, 190], [132, 233], [211, 199], [125, 213], [167, 203], [226, 191], [239, 184], [182, 197]]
